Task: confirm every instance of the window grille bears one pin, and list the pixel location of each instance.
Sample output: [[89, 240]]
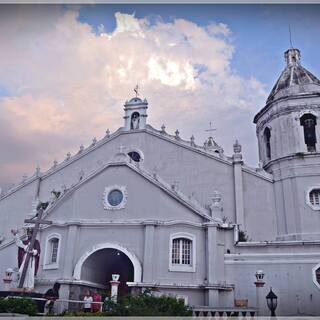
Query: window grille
[[181, 251], [309, 122], [54, 250], [314, 197]]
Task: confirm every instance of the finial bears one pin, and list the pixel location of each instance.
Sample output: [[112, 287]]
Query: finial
[[163, 129], [237, 147], [237, 156], [192, 140], [175, 185], [81, 148], [290, 37], [94, 141], [205, 145], [155, 172], [107, 133], [177, 134], [68, 156], [81, 174], [121, 148], [136, 88], [55, 163], [24, 178], [37, 172]]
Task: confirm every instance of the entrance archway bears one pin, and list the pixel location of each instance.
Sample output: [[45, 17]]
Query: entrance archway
[[98, 264]]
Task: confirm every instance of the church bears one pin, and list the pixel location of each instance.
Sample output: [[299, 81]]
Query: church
[[182, 219]]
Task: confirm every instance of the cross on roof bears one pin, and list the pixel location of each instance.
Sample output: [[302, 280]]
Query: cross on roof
[[136, 88], [37, 221], [121, 148], [211, 129]]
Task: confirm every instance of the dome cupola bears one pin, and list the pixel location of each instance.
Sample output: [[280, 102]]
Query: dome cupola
[[294, 79], [288, 125]]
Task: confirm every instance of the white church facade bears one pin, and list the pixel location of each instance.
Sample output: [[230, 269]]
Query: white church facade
[[172, 216]]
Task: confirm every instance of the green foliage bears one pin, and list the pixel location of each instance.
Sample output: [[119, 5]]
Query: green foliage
[[243, 237], [144, 304], [56, 193], [43, 205], [18, 305]]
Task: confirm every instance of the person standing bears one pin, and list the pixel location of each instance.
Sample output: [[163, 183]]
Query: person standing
[[87, 302], [96, 307], [52, 295]]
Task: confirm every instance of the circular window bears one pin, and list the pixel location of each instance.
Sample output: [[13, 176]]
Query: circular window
[[115, 197], [135, 156]]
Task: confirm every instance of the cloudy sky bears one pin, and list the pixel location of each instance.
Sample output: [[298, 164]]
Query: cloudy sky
[[67, 70]]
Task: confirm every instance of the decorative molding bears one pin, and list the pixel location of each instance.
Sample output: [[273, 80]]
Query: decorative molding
[[122, 204]]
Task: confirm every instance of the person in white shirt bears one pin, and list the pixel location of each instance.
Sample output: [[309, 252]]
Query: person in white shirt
[[88, 302]]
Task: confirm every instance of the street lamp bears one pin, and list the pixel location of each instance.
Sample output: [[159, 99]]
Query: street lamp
[[272, 302]]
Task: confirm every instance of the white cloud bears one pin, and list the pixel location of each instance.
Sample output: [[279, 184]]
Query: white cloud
[[68, 84]]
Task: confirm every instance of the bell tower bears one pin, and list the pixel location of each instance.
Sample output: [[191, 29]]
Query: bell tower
[[135, 117], [288, 132], [287, 125]]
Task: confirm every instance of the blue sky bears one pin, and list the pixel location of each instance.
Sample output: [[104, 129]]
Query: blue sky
[[260, 31], [63, 81]]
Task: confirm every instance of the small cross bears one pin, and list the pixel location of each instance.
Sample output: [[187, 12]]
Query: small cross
[[136, 90], [211, 129], [37, 222]]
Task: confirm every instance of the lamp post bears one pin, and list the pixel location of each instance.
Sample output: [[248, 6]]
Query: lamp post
[[259, 285], [272, 302]]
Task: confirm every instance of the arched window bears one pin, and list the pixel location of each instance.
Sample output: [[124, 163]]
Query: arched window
[[266, 137], [54, 245], [52, 251], [135, 156], [314, 197], [182, 252], [309, 122]]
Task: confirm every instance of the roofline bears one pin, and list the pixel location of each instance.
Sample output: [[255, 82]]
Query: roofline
[[149, 129]]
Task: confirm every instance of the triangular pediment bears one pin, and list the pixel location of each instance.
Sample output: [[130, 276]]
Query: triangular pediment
[[144, 198]]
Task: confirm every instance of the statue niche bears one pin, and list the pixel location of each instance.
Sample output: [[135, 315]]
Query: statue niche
[[135, 120]]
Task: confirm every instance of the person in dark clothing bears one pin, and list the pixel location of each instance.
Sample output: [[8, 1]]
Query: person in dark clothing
[[51, 295]]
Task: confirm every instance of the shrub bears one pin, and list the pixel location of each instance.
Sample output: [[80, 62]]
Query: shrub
[[43, 205], [144, 304], [18, 305], [243, 237]]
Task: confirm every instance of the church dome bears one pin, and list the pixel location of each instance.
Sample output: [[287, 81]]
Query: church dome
[[294, 79]]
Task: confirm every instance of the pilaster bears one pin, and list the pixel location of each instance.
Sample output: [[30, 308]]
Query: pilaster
[[238, 185], [148, 259], [70, 251]]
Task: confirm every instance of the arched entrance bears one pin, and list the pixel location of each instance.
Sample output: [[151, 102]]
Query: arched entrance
[[98, 264]]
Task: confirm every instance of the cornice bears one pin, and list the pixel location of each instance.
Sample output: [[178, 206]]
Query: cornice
[[285, 98]]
